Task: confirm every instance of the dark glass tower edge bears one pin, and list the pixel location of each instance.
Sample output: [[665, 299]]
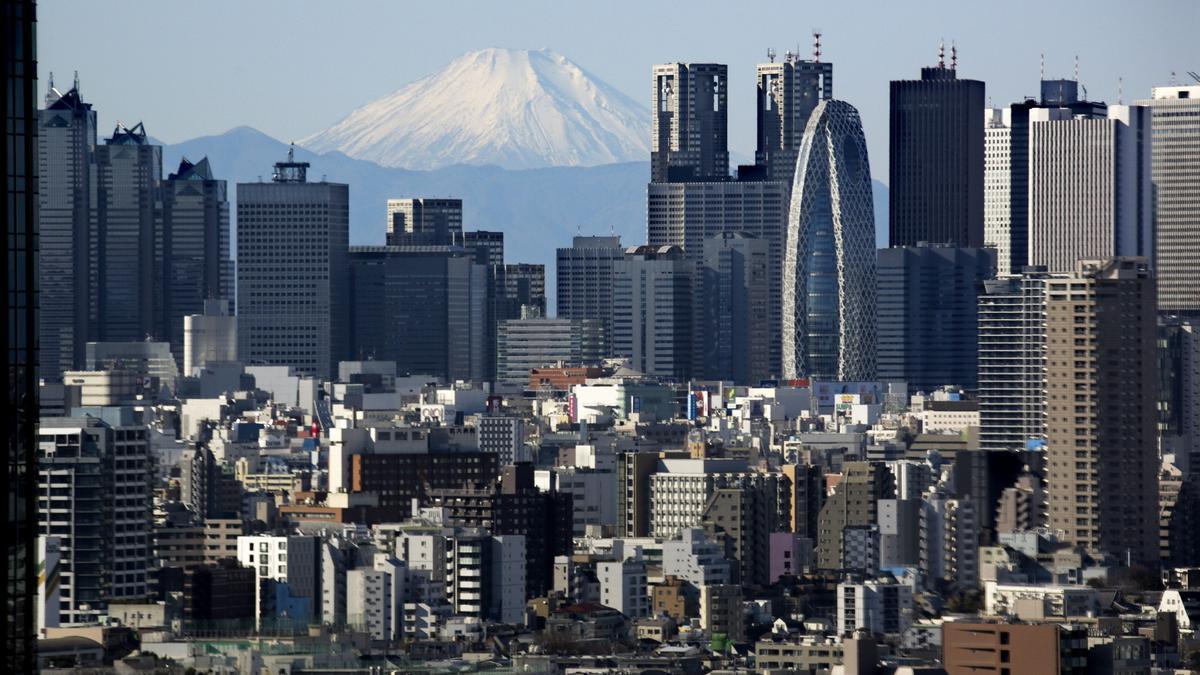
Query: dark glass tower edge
[[19, 160]]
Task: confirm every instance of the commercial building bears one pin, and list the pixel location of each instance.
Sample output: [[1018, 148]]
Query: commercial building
[[209, 337], [788, 93], [828, 305], [287, 574], [935, 175], [1101, 393], [854, 502], [690, 139], [292, 272], [928, 317], [66, 144], [584, 281], [434, 296], [425, 221], [1089, 186], [880, 607], [194, 234], [652, 311], [524, 345], [1175, 169], [732, 308]]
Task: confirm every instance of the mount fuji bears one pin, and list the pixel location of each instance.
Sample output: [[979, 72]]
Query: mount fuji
[[515, 109]]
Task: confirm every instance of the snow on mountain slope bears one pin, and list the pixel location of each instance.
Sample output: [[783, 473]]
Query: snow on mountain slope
[[512, 108]]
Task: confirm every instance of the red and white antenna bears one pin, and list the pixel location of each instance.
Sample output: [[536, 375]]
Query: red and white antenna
[[816, 45], [941, 53], [953, 56]]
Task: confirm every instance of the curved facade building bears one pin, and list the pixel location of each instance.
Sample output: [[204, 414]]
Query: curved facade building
[[829, 255]]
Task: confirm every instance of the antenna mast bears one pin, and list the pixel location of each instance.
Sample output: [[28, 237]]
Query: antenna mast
[[816, 45], [942, 53], [953, 56]]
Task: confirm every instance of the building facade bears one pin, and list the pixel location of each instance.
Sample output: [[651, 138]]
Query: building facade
[[652, 311], [928, 320], [292, 272], [1101, 392], [828, 295], [523, 345], [1012, 360], [584, 279], [935, 173], [690, 122]]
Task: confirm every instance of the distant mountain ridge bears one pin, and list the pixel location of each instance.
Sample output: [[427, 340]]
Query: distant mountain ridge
[[516, 109]]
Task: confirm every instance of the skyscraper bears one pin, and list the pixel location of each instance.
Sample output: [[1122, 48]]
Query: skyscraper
[[731, 307], [829, 259], [19, 200], [928, 323], [688, 214], [584, 279], [424, 221], [690, 123], [424, 307], [1175, 172], [195, 264], [1089, 186], [1012, 361], [652, 311], [66, 142], [1101, 394], [936, 159], [788, 93], [124, 230], [292, 272]]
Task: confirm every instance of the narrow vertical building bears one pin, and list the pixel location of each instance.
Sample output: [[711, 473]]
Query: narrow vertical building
[[1101, 397], [19, 159], [583, 280], [292, 272], [1175, 172], [690, 122], [936, 159], [731, 304], [788, 93], [66, 144], [125, 237], [194, 248], [828, 298], [652, 311], [1012, 361]]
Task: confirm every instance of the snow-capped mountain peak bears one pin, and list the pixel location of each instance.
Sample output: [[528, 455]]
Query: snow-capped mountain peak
[[514, 108]]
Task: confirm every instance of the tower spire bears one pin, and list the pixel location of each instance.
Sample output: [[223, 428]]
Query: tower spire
[[1042, 67], [941, 53], [817, 45], [1077, 68], [953, 56], [76, 87]]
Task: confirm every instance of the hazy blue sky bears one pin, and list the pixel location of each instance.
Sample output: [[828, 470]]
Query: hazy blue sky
[[292, 68]]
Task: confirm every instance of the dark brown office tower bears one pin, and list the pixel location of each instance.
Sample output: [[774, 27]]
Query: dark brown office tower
[[514, 505], [936, 159], [20, 160]]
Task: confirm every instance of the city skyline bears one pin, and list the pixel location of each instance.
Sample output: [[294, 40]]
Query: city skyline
[[180, 99]]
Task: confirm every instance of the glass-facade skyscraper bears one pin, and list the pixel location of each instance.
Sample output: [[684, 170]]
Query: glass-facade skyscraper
[[829, 255], [19, 159]]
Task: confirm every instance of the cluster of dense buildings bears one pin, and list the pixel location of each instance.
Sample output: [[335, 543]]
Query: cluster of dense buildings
[[754, 443]]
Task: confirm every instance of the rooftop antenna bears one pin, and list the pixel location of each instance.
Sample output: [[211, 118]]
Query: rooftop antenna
[[1173, 83], [1076, 67], [941, 53], [1042, 67], [771, 54], [51, 83], [77, 82], [1120, 90], [816, 45], [292, 152], [953, 56]]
